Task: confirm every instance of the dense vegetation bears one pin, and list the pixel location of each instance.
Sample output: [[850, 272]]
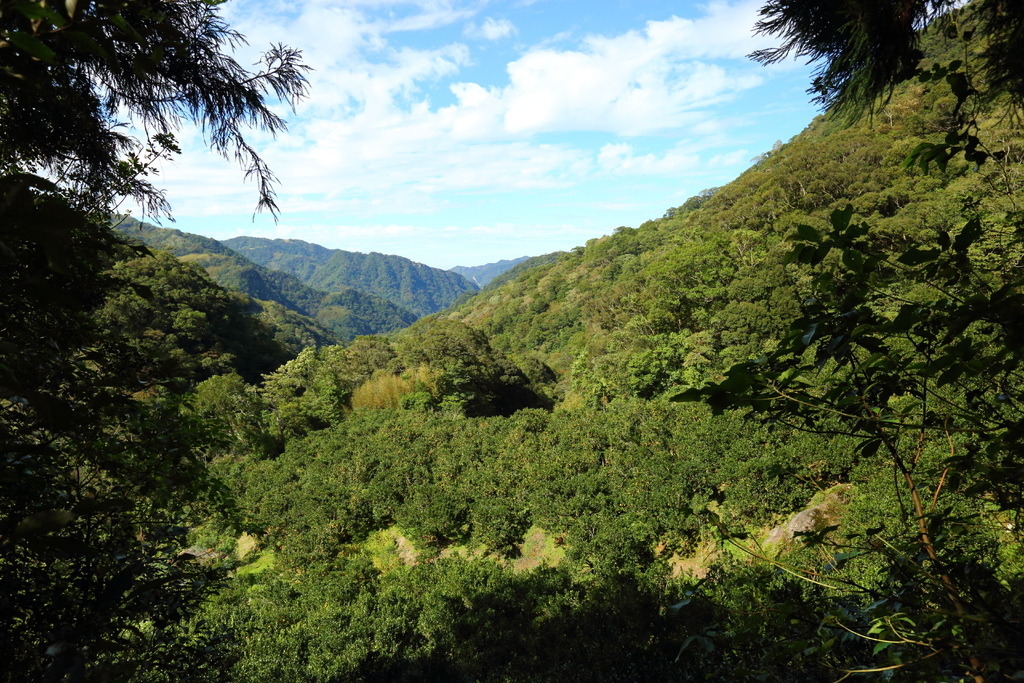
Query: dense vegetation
[[330, 315], [414, 286], [103, 468], [772, 435], [685, 296]]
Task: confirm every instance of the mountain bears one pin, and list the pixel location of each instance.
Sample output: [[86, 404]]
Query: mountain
[[520, 268], [292, 256], [454, 511], [417, 287], [683, 297], [341, 314], [481, 275]]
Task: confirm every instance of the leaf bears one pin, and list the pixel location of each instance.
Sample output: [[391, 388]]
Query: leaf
[[915, 154], [674, 610], [853, 260], [96, 506], [120, 22], [968, 235], [809, 335], [32, 45], [915, 256], [840, 218], [44, 522], [690, 395], [37, 11], [87, 42], [806, 232], [959, 85]]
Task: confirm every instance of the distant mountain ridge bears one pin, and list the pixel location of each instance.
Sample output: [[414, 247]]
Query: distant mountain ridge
[[414, 286], [343, 313], [481, 275]]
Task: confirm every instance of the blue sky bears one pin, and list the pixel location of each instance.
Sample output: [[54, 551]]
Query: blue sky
[[462, 133]]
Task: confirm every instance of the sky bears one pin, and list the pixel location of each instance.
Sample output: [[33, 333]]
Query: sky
[[463, 132]]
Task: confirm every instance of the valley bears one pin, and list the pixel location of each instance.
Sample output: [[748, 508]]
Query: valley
[[774, 433]]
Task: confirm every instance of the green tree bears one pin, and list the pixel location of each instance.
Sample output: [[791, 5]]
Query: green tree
[[182, 325], [97, 487], [915, 352], [474, 378]]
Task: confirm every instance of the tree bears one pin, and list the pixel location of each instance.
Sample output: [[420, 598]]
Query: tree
[[914, 352], [97, 482], [865, 49], [70, 68], [182, 325], [100, 476]]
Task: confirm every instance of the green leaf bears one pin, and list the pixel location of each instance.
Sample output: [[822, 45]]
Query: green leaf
[[120, 22], [676, 608], [914, 156], [915, 256], [853, 260], [968, 235], [809, 335], [32, 45], [840, 218], [36, 11], [959, 85], [87, 42], [691, 395], [806, 232], [44, 522]]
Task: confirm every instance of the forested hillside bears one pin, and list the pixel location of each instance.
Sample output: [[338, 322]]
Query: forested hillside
[[683, 297], [414, 286], [773, 435], [624, 537], [313, 316]]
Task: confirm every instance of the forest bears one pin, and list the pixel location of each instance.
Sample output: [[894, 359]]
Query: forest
[[774, 434]]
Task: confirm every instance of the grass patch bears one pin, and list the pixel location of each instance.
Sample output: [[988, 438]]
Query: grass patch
[[539, 549], [390, 549], [263, 562]]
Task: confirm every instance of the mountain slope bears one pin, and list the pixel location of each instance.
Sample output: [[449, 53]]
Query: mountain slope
[[417, 287], [685, 296], [292, 256], [341, 314], [481, 275]]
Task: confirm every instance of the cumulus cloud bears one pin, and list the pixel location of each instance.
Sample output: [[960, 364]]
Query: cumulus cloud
[[641, 82], [375, 136]]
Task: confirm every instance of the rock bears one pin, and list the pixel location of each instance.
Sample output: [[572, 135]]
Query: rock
[[815, 518]]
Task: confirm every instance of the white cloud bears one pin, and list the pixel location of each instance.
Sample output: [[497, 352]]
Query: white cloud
[[619, 159], [637, 83], [370, 140], [491, 29]]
